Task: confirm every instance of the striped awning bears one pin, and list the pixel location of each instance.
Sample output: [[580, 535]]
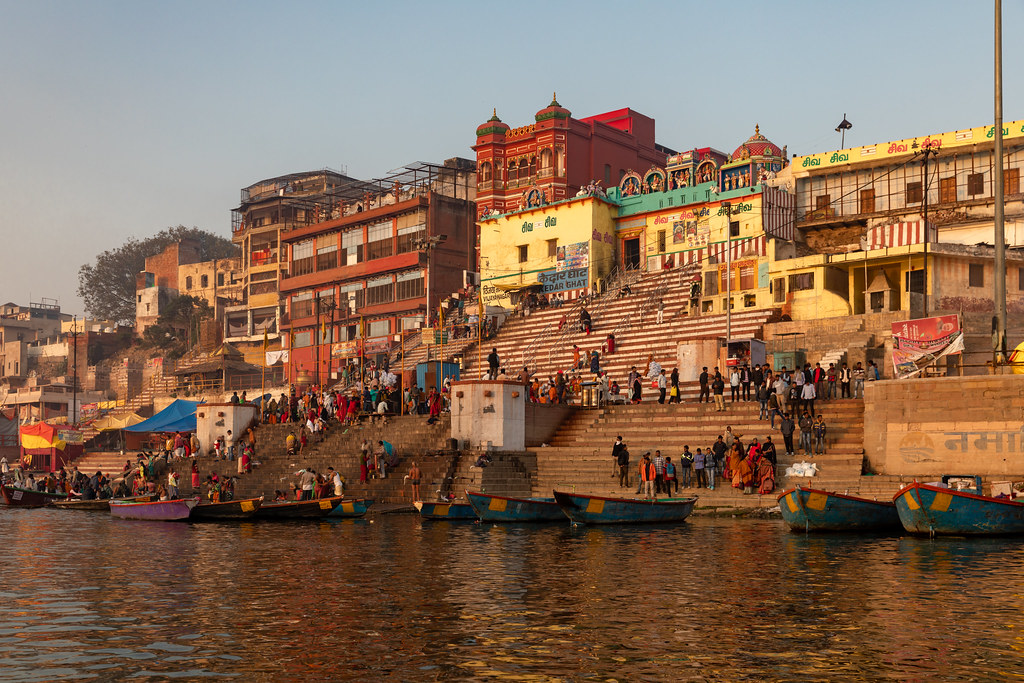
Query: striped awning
[[899, 235]]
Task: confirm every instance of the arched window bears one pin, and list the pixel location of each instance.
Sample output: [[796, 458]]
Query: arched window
[[485, 171], [560, 163], [546, 159], [204, 281], [533, 166]]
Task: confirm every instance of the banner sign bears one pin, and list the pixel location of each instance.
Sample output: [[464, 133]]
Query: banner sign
[[564, 280], [572, 256], [346, 349], [917, 344]]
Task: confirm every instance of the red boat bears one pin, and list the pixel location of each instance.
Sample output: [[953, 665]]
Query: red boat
[[28, 498]]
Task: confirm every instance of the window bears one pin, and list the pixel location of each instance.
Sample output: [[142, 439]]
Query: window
[[380, 290], [914, 281], [975, 275], [749, 300], [302, 258], [877, 301], [915, 193], [1020, 278], [552, 248], [378, 240], [304, 338], [302, 305], [1011, 181], [257, 288], [352, 245], [409, 285], [607, 174], [523, 253], [378, 328], [801, 282], [867, 201], [947, 190], [711, 283], [546, 160], [975, 184], [822, 202], [188, 282], [661, 241], [748, 276], [204, 281], [779, 290], [734, 228], [220, 279], [327, 257], [409, 236], [485, 172], [411, 322], [264, 275], [351, 297]]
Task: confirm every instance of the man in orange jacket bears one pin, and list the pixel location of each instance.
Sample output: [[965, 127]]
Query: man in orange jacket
[[647, 476]]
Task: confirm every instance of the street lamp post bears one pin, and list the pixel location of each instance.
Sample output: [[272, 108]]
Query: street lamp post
[[925, 152]]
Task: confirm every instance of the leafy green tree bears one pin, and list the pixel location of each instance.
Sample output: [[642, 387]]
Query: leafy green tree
[[108, 285]]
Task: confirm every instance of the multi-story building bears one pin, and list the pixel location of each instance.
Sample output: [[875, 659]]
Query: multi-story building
[[363, 273], [552, 158], [267, 209], [158, 284], [882, 227], [22, 325], [218, 282]]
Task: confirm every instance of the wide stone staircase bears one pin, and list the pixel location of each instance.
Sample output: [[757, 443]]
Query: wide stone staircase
[[534, 341], [412, 438], [579, 456]]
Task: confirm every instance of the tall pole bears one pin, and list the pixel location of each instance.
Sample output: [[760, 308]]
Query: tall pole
[[927, 151], [317, 337], [999, 342], [728, 277], [402, 383], [74, 379]]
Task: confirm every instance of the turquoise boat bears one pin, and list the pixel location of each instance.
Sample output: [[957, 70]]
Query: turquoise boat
[[492, 508], [452, 511], [351, 508], [806, 509], [939, 509], [583, 509]]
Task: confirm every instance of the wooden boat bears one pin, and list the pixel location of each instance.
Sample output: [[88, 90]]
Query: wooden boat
[[939, 508], [805, 509], [491, 508], [28, 498], [351, 508], [230, 509], [96, 504], [451, 511], [157, 510], [584, 509], [299, 509]]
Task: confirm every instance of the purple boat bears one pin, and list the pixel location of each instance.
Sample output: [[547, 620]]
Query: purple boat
[[158, 510]]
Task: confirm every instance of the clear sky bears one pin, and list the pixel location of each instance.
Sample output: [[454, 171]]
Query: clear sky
[[119, 119]]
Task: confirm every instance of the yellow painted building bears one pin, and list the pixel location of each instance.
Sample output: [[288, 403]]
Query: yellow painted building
[[561, 250]]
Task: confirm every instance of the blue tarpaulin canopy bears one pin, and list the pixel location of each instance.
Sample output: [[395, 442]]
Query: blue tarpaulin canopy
[[180, 416]]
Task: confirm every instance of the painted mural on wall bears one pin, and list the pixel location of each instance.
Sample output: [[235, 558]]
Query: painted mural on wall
[[572, 256]]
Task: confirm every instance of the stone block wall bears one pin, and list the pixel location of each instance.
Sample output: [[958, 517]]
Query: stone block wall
[[946, 425]]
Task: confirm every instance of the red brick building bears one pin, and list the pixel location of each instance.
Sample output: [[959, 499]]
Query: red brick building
[[369, 268], [552, 158]]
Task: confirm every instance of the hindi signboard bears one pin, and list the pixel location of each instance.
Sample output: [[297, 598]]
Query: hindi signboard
[[917, 344]]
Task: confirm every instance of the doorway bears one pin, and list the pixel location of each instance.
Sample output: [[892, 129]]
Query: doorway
[[631, 253]]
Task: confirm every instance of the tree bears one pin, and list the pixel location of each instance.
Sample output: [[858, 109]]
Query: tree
[[177, 328], [108, 285]]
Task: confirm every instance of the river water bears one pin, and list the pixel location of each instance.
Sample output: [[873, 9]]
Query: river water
[[86, 597]]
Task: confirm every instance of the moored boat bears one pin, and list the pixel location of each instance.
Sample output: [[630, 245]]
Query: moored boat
[[299, 509], [351, 508], [806, 509], [939, 508], [231, 509], [157, 510], [491, 508], [96, 504], [28, 498], [451, 511], [585, 509]]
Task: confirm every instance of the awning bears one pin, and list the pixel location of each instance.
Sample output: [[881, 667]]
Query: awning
[[180, 416], [111, 422]]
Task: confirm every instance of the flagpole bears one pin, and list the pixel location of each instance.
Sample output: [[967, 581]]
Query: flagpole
[[402, 383], [263, 380], [479, 333]]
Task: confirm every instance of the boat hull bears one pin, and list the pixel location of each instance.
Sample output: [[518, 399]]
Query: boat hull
[[299, 509], [584, 509], [232, 509], [156, 511], [928, 509], [449, 511], [97, 505], [805, 509], [491, 508], [27, 498], [351, 508]]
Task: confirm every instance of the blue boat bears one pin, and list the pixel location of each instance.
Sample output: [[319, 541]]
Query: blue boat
[[492, 508], [452, 511], [583, 509], [940, 508], [805, 509], [351, 508]]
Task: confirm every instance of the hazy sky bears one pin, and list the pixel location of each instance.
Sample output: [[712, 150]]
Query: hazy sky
[[119, 119]]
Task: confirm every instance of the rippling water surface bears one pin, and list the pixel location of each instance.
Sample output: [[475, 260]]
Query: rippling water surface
[[83, 596]]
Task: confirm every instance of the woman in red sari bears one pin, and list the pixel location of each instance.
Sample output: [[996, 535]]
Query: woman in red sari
[[434, 401], [765, 477]]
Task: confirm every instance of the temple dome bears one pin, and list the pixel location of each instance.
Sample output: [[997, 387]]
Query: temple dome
[[494, 125], [757, 145], [552, 111]]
